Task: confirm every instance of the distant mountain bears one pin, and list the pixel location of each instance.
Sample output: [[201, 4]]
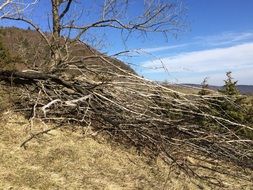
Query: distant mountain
[[244, 89]]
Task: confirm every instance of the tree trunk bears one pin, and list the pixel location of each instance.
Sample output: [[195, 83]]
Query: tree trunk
[[55, 49], [56, 18]]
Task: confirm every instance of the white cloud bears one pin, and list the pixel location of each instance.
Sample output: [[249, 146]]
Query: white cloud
[[162, 48], [208, 63], [225, 38], [239, 56], [242, 76]]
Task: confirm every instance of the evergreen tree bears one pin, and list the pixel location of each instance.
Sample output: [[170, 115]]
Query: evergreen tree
[[229, 87], [234, 105], [204, 88]]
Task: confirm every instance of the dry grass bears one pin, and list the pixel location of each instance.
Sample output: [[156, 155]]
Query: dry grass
[[69, 160], [184, 88]]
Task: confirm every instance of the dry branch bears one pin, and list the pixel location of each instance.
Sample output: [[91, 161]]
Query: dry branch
[[155, 119]]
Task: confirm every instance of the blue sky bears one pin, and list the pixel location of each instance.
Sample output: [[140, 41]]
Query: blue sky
[[218, 38]]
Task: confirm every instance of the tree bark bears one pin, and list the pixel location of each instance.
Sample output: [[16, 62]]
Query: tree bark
[[56, 18], [31, 76], [55, 50]]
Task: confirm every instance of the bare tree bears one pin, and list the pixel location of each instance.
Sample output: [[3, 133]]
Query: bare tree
[[3, 5], [154, 16], [13, 7]]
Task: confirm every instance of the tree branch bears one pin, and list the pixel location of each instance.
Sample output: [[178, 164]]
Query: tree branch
[[66, 9]]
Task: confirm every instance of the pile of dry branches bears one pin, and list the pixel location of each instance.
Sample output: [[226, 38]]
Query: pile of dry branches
[[155, 119], [183, 129]]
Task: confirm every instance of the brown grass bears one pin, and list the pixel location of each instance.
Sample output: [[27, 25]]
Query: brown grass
[[69, 160]]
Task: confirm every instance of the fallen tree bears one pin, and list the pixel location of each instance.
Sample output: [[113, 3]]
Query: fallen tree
[[188, 131], [157, 120]]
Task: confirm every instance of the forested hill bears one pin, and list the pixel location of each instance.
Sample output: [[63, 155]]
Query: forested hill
[[26, 49]]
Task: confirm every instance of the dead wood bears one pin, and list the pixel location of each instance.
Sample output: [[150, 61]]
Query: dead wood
[[157, 120]]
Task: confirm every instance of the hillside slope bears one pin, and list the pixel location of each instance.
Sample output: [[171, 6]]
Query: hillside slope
[[64, 159], [70, 160], [26, 49]]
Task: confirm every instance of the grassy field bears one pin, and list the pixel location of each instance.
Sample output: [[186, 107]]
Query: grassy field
[[68, 159]]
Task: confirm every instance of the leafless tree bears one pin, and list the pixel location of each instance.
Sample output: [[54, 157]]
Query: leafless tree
[[154, 16], [14, 7]]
